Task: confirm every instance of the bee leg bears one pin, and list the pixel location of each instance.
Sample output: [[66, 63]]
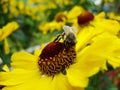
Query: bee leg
[[57, 39], [60, 36]]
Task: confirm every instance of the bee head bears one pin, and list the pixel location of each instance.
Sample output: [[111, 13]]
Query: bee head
[[69, 36], [70, 39]]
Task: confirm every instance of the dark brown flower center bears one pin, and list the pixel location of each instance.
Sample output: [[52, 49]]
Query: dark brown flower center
[[1, 87], [51, 50], [60, 17], [56, 57], [85, 17]]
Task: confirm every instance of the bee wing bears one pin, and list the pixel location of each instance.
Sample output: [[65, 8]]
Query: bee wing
[[68, 29], [74, 30]]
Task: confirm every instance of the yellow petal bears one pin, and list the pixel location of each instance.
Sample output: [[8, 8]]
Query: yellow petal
[[77, 10], [89, 64], [60, 82], [30, 80], [101, 15], [33, 83], [104, 50], [24, 60], [5, 67], [6, 46], [8, 29], [37, 52], [76, 79], [85, 36], [1, 32], [15, 77]]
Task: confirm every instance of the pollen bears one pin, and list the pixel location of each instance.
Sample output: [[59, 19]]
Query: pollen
[[56, 58]]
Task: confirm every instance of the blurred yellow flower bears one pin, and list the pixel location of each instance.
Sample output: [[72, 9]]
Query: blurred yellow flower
[[109, 25], [111, 1], [60, 19], [13, 10], [113, 16], [106, 29], [6, 46], [97, 22], [103, 47], [5, 32], [4, 5], [50, 26], [74, 13], [60, 65], [32, 8], [56, 24]]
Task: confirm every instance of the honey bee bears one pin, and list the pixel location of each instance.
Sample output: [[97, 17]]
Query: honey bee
[[68, 36]]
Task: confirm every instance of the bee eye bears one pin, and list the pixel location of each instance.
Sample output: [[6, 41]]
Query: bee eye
[[71, 36], [70, 40], [69, 43]]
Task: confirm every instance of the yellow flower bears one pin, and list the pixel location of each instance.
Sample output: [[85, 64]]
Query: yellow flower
[[32, 8], [102, 28], [61, 66], [109, 25], [13, 10], [56, 24], [97, 22], [111, 1], [60, 19], [67, 2], [50, 26], [6, 46], [107, 46], [4, 5], [5, 32], [114, 16], [74, 13]]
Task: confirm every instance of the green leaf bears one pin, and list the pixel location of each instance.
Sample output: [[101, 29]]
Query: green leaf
[[5, 58], [112, 88], [19, 35]]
